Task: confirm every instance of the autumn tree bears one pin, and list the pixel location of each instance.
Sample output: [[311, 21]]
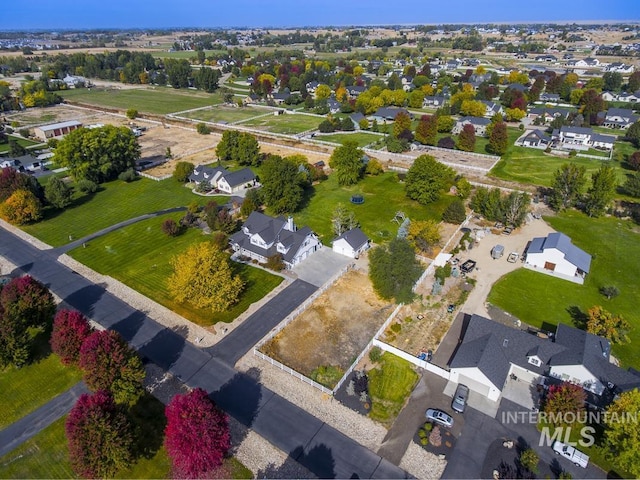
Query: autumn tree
[[427, 130], [12, 180], [196, 436], [634, 160], [424, 235], [401, 125], [603, 188], [109, 364], [343, 220], [473, 108], [562, 399], [58, 193], [70, 329], [498, 139], [346, 161], [170, 227], [26, 305], [445, 123], [568, 183], [427, 179], [605, 324], [393, 270], [622, 438], [99, 437], [203, 277], [467, 138], [21, 207], [182, 171], [592, 103]]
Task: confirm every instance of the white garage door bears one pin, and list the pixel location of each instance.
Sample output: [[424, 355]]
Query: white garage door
[[474, 385]]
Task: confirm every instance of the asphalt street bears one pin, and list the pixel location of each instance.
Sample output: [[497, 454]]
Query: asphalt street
[[320, 448]]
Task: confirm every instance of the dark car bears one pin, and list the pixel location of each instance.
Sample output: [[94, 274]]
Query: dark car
[[440, 417], [459, 402]]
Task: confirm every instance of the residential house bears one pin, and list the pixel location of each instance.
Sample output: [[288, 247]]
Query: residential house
[[629, 97], [356, 118], [556, 255], [582, 138], [75, 81], [333, 104], [549, 114], [224, 180], [550, 97], [609, 96], [619, 67], [56, 130], [536, 139], [351, 243], [546, 58], [262, 237], [619, 118], [355, 90], [389, 113], [479, 124], [492, 108], [434, 101], [583, 63], [516, 86], [312, 86], [23, 163], [279, 98], [453, 64]]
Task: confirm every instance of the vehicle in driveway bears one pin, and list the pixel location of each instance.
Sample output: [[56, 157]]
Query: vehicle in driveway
[[459, 402], [468, 266], [438, 416], [567, 451], [497, 251]]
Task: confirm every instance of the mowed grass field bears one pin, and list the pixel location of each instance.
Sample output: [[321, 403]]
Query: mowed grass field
[[288, 124], [614, 245], [24, 390], [361, 138], [223, 113], [139, 255], [158, 100], [4, 147], [390, 383], [114, 202], [384, 196]]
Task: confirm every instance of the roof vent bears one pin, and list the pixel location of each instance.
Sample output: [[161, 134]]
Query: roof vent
[[505, 342]]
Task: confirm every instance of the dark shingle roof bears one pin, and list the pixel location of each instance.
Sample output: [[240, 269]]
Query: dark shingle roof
[[239, 177], [354, 237], [475, 120]]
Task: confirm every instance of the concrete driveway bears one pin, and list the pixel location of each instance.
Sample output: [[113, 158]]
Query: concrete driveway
[[321, 266]]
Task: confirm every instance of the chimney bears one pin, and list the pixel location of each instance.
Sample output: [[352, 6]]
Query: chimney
[[290, 225]]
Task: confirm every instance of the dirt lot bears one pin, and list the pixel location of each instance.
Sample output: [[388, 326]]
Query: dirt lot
[[328, 332]]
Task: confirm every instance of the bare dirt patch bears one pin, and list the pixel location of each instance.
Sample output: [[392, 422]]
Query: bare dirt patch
[[330, 332]]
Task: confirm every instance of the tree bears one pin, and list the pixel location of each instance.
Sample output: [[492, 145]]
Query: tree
[[323, 92], [343, 220], [131, 113], [514, 114], [15, 149], [251, 203], [607, 325], [282, 186], [203, 129], [182, 171], [196, 436], [393, 270], [447, 142], [631, 185], [98, 154], [346, 161], [12, 180], [467, 138], [455, 212], [529, 460], [633, 134], [592, 103], [109, 364], [516, 207], [612, 81], [25, 304], [634, 82], [609, 291], [248, 150], [204, 278], [170, 227], [58, 193], [70, 329], [568, 183], [401, 124], [634, 160], [562, 399], [427, 130], [498, 139], [427, 179], [474, 108], [445, 123], [21, 207], [99, 436], [423, 235], [601, 192], [622, 438]]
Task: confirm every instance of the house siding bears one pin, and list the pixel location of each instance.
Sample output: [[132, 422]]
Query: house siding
[[577, 374], [476, 381], [554, 256]]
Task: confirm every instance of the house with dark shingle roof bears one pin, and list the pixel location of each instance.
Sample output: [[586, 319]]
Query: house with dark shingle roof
[[536, 139], [223, 179], [480, 124], [262, 236], [556, 255], [618, 118], [389, 113], [351, 243]]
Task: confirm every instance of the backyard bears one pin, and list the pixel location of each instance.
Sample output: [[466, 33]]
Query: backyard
[[361, 138], [223, 113], [4, 147], [544, 301], [139, 255], [325, 339]]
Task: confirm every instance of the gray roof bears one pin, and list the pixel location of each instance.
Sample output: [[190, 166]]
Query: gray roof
[[578, 130], [202, 172], [538, 134], [354, 237], [390, 113], [560, 241], [475, 120], [53, 126], [239, 177], [357, 117], [599, 137]]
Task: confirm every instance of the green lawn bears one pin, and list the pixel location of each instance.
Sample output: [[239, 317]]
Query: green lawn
[[114, 202], [390, 384], [384, 196], [288, 124], [159, 100], [221, 113], [139, 256], [362, 138], [536, 298], [4, 147], [24, 390]]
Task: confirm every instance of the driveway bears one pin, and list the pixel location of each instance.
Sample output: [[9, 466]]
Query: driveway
[[320, 267]]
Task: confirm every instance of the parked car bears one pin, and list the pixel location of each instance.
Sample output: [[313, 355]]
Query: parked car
[[438, 416], [459, 402], [507, 231], [567, 451]]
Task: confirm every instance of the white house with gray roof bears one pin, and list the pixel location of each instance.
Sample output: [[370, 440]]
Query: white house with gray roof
[[479, 124], [224, 180], [556, 255], [262, 236], [351, 243]]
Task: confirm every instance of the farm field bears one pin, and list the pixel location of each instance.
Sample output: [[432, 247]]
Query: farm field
[[323, 341], [540, 300], [361, 138], [287, 124], [139, 255], [223, 113], [384, 196], [158, 100]]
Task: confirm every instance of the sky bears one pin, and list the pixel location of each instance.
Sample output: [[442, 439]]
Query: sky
[[86, 14]]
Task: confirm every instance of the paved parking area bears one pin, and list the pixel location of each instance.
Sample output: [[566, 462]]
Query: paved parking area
[[475, 400], [321, 266]]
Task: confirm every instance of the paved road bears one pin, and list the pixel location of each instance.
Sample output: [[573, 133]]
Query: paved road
[[25, 428], [320, 448]]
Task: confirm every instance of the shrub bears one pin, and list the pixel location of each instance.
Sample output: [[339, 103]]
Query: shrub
[[609, 291], [275, 263], [447, 142], [24, 132], [131, 113], [70, 329], [182, 171], [375, 354], [170, 227], [428, 426], [573, 153], [396, 328], [529, 460], [86, 186], [128, 175], [203, 129]]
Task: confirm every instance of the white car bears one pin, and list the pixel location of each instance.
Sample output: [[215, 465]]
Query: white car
[[440, 417]]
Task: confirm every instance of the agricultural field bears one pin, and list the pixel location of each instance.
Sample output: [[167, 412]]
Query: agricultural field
[[324, 340], [139, 255], [158, 100], [287, 124], [226, 114], [384, 196], [543, 301], [361, 138]]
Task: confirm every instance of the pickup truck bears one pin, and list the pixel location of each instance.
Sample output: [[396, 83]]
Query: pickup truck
[[567, 451]]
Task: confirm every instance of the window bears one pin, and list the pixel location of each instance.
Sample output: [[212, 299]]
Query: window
[[535, 361]]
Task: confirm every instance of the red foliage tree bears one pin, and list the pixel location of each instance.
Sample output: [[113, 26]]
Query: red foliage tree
[[170, 227], [562, 399], [197, 434], [70, 329], [110, 364], [634, 160], [99, 436], [11, 180], [467, 138]]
